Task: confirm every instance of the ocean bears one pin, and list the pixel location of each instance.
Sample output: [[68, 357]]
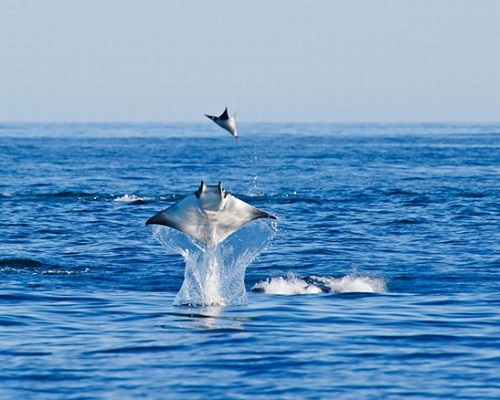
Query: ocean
[[380, 281]]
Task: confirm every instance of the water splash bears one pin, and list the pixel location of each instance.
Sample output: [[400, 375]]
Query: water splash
[[292, 285], [216, 276]]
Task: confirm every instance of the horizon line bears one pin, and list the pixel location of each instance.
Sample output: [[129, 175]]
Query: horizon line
[[166, 122]]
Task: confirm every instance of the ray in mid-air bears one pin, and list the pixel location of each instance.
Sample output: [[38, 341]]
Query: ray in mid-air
[[226, 122], [209, 215]]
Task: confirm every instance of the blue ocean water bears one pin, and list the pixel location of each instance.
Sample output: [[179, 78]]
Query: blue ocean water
[[381, 281]]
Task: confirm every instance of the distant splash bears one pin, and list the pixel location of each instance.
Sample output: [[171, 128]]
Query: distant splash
[[130, 198], [292, 285], [216, 277]]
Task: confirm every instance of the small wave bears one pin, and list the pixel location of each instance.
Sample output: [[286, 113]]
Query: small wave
[[67, 194], [472, 195], [23, 271], [399, 192], [407, 221], [33, 267], [20, 263], [292, 285]]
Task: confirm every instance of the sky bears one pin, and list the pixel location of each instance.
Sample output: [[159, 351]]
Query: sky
[[269, 60]]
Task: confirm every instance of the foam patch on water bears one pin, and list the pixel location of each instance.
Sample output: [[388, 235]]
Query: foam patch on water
[[129, 198], [292, 285]]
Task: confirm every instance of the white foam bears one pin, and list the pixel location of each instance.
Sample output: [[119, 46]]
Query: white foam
[[354, 284], [65, 272], [289, 285], [292, 285], [129, 198]]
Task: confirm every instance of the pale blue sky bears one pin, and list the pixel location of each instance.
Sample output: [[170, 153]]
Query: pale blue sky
[[272, 60]]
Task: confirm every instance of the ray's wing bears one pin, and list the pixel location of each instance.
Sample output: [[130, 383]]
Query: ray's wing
[[236, 213], [185, 216], [209, 227], [224, 115]]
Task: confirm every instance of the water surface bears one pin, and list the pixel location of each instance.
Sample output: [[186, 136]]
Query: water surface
[[381, 282]]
